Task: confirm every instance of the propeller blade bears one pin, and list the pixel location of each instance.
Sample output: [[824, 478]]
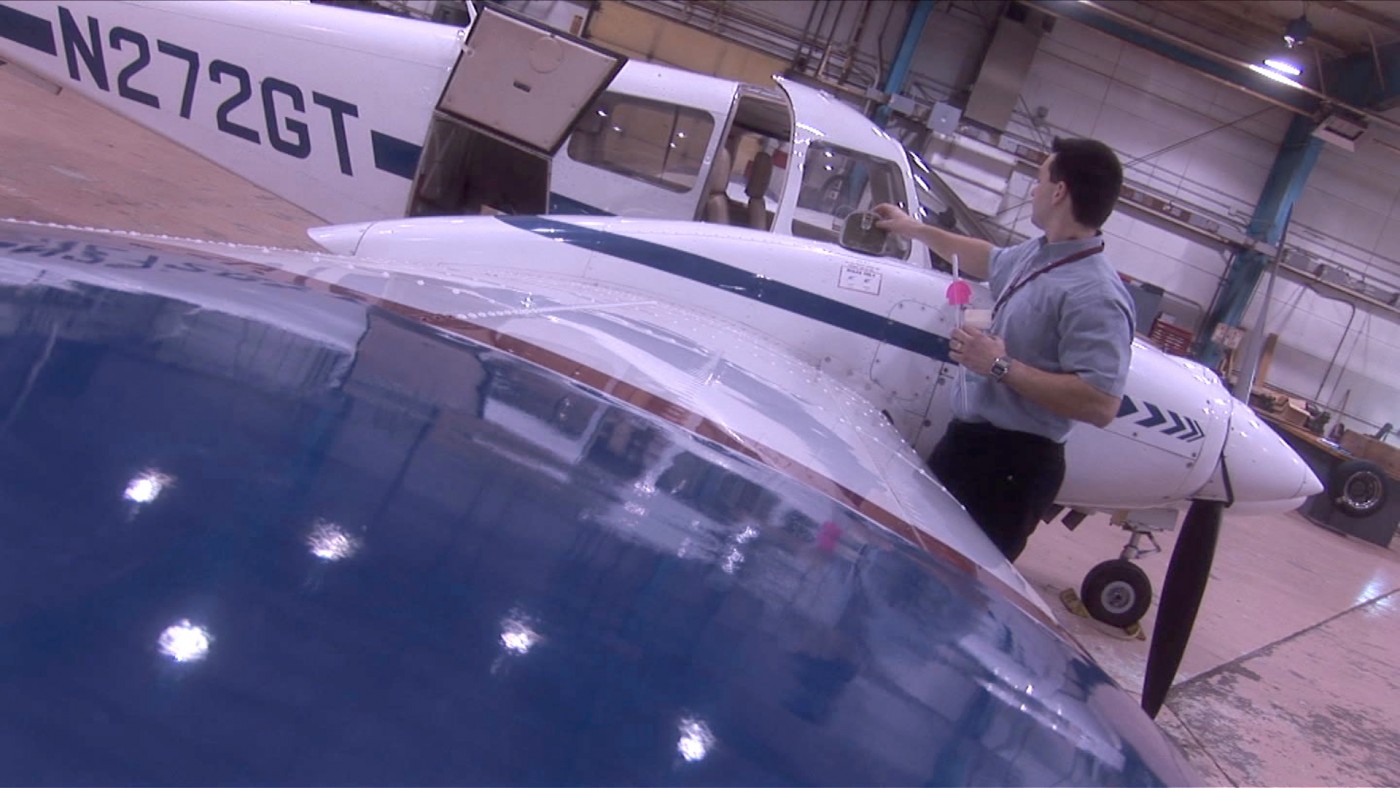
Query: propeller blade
[[1181, 597]]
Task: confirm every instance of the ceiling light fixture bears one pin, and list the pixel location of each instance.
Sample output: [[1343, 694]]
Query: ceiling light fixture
[[1297, 30], [1283, 66], [1275, 75]]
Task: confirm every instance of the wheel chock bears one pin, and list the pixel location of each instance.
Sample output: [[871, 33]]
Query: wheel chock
[[1073, 603]]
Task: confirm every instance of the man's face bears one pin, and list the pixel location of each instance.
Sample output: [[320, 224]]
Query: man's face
[[1043, 194]]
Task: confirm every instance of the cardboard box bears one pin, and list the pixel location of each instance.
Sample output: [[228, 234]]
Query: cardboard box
[[1295, 412], [1367, 448]]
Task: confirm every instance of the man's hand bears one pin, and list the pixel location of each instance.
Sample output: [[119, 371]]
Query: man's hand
[[975, 349], [894, 220], [973, 254]]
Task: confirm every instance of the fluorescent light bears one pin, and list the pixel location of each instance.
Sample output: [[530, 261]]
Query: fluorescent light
[[1283, 66], [1274, 75]]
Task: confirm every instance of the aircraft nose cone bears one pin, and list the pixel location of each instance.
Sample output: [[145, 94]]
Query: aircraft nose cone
[[1263, 468]]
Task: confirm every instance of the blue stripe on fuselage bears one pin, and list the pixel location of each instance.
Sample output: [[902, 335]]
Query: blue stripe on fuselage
[[559, 204], [32, 31], [707, 271], [394, 155]]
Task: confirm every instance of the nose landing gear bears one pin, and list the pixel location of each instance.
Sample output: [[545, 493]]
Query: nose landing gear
[[1117, 592]]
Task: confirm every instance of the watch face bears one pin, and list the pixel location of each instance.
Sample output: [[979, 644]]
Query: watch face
[[1000, 367]]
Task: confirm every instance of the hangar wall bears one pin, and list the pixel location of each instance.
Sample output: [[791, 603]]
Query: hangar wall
[[1329, 345], [1185, 136]]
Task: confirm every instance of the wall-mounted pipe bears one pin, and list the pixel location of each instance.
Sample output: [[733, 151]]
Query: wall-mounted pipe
[[810, 43], [807, 28], [1330, 364], [830, 40], [1376, 57], [880, 44], [854, 40]]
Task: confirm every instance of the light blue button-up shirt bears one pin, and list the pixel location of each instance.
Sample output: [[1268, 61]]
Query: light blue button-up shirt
[[1077, 318]]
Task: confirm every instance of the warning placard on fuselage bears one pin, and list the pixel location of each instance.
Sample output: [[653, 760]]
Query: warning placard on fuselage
[[861, 278]]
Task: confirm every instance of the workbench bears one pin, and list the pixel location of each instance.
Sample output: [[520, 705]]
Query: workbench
[[1323, 456]]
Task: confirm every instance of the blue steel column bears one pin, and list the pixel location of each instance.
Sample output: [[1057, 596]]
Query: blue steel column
[[904, 57], [1296, 158], [1353, 80]]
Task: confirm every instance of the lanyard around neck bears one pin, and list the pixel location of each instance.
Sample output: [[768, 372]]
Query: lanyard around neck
[[1010, 291]]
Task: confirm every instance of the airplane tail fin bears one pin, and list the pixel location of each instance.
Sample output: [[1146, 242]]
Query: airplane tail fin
[[326, 107]]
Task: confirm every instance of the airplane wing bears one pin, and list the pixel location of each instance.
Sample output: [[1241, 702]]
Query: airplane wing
[[282, 517]]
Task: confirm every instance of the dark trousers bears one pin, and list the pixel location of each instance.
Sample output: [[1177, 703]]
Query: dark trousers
[[1005, 479]]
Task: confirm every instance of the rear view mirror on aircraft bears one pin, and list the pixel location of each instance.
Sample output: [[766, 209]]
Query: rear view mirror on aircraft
[[859, 234]]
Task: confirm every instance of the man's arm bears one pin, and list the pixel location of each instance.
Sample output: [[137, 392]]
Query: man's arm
[[974, 254], [1062, 393]]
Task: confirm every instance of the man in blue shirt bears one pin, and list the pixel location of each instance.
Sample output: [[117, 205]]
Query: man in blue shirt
[[1057, 351]]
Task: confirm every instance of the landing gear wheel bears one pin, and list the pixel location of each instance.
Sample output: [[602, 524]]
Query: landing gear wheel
[[1116, 592], [1358, 488]]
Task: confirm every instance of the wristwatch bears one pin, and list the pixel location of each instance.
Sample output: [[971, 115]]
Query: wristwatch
[[999, 368]]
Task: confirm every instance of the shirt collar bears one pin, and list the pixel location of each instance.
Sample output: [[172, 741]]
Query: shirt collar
[[1062, 248]]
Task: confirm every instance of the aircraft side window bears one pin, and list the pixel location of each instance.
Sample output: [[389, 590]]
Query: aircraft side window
[[652, 141], [837, 182]]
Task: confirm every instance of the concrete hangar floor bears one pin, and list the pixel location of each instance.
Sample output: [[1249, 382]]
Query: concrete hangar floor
[[1289, 679]]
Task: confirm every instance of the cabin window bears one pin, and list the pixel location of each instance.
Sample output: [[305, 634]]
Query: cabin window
[[652, 141], [837, 182]]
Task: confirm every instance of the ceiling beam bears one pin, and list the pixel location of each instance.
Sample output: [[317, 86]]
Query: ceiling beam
[[1363, 13], [1368, 79], [1293, 96], [1265, 36], [1213, 64]]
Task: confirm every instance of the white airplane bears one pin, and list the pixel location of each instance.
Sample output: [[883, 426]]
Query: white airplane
[[741, 203]]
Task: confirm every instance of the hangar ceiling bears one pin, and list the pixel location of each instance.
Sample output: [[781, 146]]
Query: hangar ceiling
[[1339, 27], [1349, 57]]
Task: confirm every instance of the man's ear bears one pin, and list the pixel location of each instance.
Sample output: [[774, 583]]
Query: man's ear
[[1061, 192]]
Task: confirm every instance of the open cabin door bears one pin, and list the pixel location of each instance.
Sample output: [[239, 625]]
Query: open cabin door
[[517, 89]]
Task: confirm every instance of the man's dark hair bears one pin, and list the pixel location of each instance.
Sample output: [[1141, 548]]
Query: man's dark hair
[[1091, 172]]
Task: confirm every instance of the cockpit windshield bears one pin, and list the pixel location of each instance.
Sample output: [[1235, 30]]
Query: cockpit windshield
[[939, 206]]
